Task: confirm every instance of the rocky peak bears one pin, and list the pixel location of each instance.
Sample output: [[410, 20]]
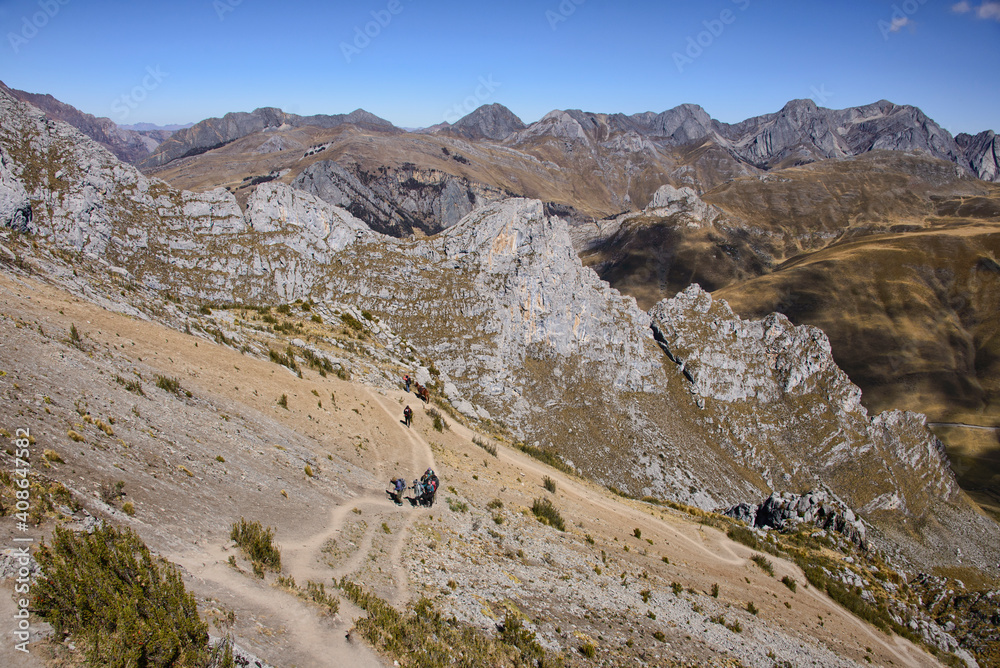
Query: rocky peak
[[491, 121]]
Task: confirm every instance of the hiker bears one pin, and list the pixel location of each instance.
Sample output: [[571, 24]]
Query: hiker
[[397, 494], [407, 415], [407, 381]]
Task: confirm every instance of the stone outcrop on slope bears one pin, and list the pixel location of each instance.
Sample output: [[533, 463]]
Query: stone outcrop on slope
[[784, 509], [15, 207]]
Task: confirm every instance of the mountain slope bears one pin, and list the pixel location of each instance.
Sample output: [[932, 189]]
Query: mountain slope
[[215, 132], [128, 145], [520, 334]]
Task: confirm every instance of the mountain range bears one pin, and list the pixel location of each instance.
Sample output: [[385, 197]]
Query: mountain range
[[472, 258]]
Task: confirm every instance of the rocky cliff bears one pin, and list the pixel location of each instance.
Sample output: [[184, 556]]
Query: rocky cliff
[[517, 331]]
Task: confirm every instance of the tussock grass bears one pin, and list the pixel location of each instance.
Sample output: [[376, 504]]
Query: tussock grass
[[548, 514], [257, 544]]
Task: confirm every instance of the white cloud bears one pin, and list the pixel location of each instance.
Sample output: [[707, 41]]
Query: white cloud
[[985, 10], [899, 23], [989, 10]]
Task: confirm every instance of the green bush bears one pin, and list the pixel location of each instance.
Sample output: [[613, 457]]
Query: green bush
[[549, 484], [166, 384], [545, 456], [422, 638], [548, 514], [126, 607], [257, 544], [789, 582], [764, 563]]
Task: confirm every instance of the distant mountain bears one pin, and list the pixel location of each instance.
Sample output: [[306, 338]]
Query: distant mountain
[[215, 132], [491, 121], [128, 145], [799, 133], [152, 127]]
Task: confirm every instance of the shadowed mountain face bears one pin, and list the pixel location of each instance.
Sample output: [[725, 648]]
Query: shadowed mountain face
[[128, 145]]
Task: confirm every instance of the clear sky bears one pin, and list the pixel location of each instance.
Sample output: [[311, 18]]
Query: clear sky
[[422, 62]]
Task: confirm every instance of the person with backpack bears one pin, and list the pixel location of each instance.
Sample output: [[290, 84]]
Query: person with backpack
[[408, 415], [397, 492], [407, 381]]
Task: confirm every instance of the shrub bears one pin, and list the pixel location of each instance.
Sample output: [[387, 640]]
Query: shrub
[[351, 322], [127, 607], [545, 456], [549, 484], [284, 309], [764, 563], [488, 447], [52, 456], [752, 609], [637, 532], [548, 514], [309, 471], [257, 544], [588, 649], [458, 506], [677, 588], [283, 401], [660, 635], [439, 423], [128, 508], [789, 582], [495, 504], [715, 590], [423, 638], [166, 384]]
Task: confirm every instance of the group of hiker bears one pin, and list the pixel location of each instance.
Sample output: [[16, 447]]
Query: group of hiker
[[420, 390], [424, 489]]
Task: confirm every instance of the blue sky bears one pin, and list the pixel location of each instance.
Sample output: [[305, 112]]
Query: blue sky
[[423, 62]]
